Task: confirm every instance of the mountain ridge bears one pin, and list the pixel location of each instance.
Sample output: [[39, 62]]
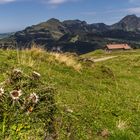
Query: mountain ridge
[[79, 36]]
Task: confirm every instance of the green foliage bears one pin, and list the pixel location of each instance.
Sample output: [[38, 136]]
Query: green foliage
[[99, 52], [74, 39]]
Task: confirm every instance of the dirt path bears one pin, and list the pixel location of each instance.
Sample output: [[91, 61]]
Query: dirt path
[[104, 58]]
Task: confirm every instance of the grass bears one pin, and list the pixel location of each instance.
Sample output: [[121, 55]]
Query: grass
[[100, 102], [102, 53], [68, 60]]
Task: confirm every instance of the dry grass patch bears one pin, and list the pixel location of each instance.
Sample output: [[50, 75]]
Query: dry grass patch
[[36, 49], [122, 124], [25, 59], [28, 56], [68, 60]]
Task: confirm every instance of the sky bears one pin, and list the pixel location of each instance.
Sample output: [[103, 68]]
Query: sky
[[15, 15]]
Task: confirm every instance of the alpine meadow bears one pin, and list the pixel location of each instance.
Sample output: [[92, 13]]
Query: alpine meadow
[[69, 70]]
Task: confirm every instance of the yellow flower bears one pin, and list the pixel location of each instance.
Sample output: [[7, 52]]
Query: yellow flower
[[30, 110]]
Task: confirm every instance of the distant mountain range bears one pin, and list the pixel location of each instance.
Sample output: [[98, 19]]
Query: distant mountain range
[[78, 36], [5, 35]]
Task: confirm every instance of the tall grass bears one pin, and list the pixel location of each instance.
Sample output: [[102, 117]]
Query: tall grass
[[26, 57], [68, 60]]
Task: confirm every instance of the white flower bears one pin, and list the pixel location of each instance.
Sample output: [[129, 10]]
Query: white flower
[[15, 94], [34, 98], [36, 74], [1, 91], [17, 71], [69, 110]]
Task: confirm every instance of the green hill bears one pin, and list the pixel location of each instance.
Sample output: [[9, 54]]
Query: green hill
[[92, 100]]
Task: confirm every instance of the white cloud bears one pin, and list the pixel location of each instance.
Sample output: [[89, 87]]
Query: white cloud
[[51, 2], [56, 2], [6, 1], [135, 10]]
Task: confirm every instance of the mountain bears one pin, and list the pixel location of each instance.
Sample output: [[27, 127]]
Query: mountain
[[128, 23], [4, 35], [76, 26], [43, 33], [78, 36]]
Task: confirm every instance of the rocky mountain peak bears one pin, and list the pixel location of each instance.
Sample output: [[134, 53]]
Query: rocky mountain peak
[[128, 23]]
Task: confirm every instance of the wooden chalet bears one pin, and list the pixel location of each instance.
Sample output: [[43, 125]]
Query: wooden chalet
[[116, 47]]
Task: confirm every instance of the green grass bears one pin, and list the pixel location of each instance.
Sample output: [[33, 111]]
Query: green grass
[[102, 53], [103, 96]]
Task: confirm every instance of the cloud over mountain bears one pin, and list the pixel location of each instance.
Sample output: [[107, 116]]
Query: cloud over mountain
[[134, 10]]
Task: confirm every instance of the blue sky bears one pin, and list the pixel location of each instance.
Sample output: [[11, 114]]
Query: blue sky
[[18, 14]]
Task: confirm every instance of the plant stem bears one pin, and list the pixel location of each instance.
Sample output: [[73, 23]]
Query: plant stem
[[3, 124]]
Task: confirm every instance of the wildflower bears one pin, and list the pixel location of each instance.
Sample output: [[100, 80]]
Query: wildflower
[[69, 110], [15, 94], [30, 110], [1, 91], [17, 71], [16, 74], [36, 75], [34, 98]]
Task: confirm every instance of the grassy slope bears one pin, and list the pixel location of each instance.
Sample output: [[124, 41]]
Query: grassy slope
[[102, 96]]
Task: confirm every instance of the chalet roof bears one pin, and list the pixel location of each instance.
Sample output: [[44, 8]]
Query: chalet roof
[[118, 46]]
